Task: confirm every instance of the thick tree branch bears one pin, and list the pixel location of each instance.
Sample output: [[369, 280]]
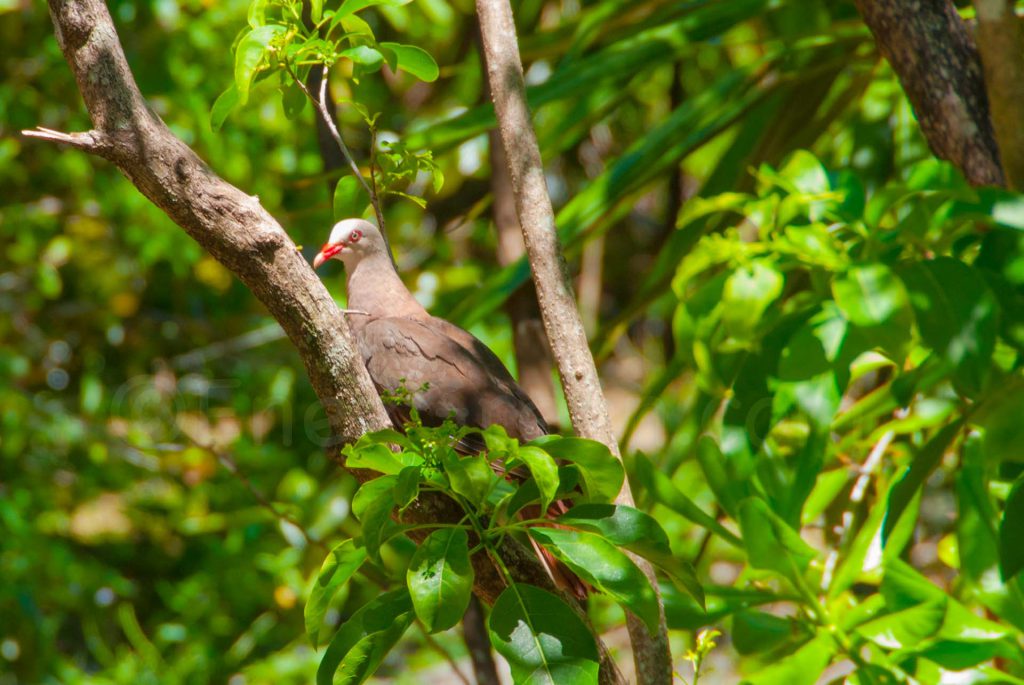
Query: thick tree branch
[[937, 63], [245, 238], [587, 406], [1001, 44]]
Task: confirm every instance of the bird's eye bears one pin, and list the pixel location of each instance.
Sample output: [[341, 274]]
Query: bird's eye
[[354, 236]]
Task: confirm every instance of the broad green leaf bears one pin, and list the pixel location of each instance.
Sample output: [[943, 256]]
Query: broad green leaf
[[748, 292], [316, 10], [440, 578], [293, 100], [908, 627], [407, 487], [755, 632], [1000, 416], [249, 54], [871, 295], [363, 55], [770, 542], [544, 641], [1011, 533], [957, 316], [600, 563], [339, 566], [920, 468], [544, 471], [374, 456], [372, 504], [470, 477], [682, 612], [412, 59], [638, 532], [363, 641], [667, 494], [350, 198], [225, 103], [600, 470], [802, 667]]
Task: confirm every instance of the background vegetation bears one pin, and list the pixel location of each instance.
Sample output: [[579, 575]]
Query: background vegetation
[[806, 324]]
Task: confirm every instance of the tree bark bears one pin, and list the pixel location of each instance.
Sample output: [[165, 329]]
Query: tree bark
[[936, 61], [236, 230], [533, 353], [587, 406], [1001, 44]]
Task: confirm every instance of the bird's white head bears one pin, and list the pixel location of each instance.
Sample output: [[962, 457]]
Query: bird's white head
[[351, 240]]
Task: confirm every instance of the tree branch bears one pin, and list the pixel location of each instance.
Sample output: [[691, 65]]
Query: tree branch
[[236, 230], [587, 406], [1001, 44], [934, 56]]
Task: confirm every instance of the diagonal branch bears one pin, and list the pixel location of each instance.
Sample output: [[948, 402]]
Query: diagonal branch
[[587, 406], [236, 230]]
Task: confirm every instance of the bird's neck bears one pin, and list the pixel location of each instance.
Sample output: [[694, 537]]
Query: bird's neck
[[375, 288]]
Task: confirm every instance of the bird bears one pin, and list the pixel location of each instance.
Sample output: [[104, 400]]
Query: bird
[[446, 371], [442, 370]]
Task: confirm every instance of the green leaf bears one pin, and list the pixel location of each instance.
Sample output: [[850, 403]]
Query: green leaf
[[440, 578], [802, 667], [770, 542], [225, 103], [920, 468], [748, 292], [372, 505], [352, 6], [470, 477], [667, 494], [870, 295], [755, 632], [293, 100], [600, 563], [364, 640], [906, 628], [412, 59], [316, 10], [374, 456], [339, 566], [638, 532], [364, 55], [350, 198], [544, 641], [407, 487], [544, 471], [957, 316], [601, 471], [248, 55], [1011, 533]]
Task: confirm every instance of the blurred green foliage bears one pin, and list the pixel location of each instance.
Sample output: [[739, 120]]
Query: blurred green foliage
[[824, 323]]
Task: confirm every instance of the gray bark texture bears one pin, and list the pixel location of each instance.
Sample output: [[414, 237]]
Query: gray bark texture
[[244, 237], [937, 63], [584, 397]]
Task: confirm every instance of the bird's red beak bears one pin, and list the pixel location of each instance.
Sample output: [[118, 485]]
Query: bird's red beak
[[326, 252]]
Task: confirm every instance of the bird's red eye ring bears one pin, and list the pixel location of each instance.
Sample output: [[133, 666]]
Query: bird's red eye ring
[[354, 236]]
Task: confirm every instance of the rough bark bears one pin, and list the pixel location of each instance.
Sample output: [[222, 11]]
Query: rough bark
[[937, 63], [236, 230], [1001, 43], [584, 397], [533, 354]]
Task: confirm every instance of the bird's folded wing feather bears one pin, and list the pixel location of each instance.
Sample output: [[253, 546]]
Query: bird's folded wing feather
[[443, 377]]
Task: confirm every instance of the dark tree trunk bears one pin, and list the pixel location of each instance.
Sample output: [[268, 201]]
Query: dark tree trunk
[[938, 66]]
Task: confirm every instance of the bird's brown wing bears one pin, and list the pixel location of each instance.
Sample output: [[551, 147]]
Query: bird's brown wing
[[443, 378]]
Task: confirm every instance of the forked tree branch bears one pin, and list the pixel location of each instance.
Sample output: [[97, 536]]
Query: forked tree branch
[[236, 230], [584, 397]]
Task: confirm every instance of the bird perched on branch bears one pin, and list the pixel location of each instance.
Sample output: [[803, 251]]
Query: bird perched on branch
[[447, 371], [444, 370]]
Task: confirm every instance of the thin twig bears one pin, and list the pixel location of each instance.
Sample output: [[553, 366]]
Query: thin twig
[[320, 103]]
